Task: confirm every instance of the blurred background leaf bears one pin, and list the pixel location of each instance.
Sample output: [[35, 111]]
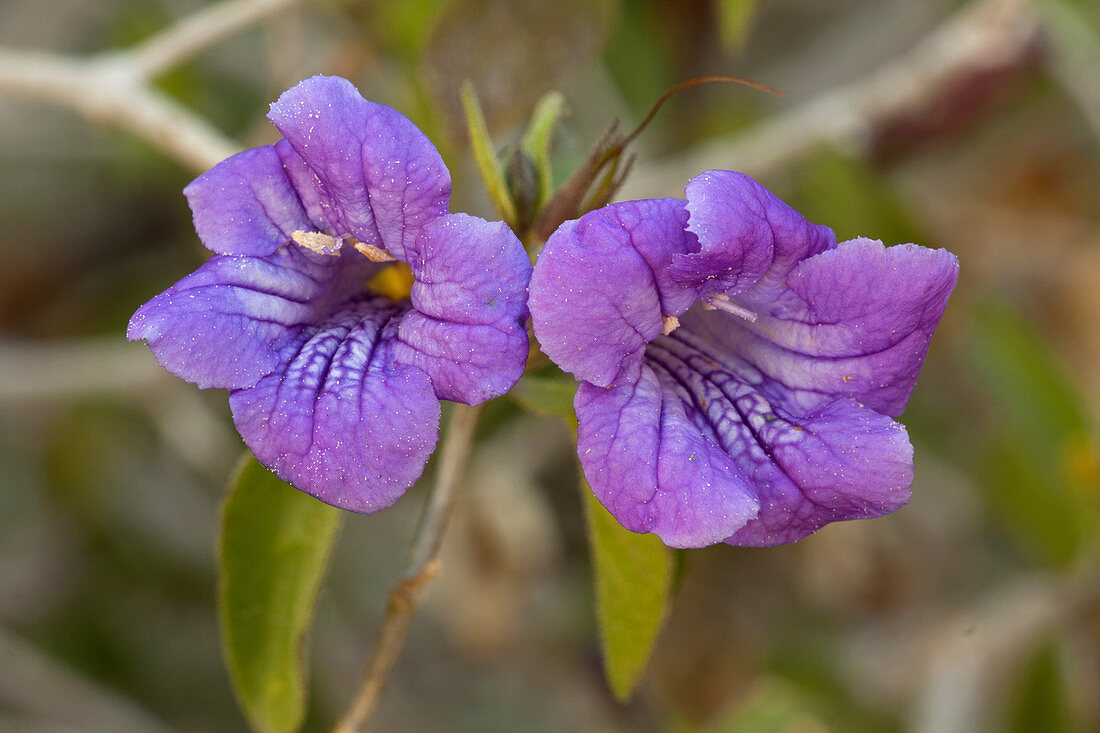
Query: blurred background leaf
[[734, 17], [1039, 698], [548, 392], [1042, 466]]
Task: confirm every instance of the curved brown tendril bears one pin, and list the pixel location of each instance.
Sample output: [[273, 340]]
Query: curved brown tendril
[[687, 85]]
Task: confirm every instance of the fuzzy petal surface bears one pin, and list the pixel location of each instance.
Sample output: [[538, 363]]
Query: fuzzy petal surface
[[748, 238], [602, 287], [855, 321], [363, 169], [771, 415], [221, 326], [650, 464], [339, 417], [246, 205], [805, 468], [467, 329]]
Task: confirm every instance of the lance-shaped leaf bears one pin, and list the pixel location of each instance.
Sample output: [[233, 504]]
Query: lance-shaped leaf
[[634, 573], [273, 550], [634, 577], [485, 155], [537, 137]]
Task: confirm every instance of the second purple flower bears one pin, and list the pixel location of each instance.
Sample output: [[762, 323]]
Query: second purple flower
[[740, 370], [335, 383]]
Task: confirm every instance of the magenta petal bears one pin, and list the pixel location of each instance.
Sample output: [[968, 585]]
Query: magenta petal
[[246, 205], [650, 464], [339, 418], [467, 329], [601, 288], [377, 177]]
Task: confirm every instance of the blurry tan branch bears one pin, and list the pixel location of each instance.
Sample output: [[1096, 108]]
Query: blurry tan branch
[[987, 35], [70, 369], [190, 36], [64, 371], [113, 87], [962, 662]]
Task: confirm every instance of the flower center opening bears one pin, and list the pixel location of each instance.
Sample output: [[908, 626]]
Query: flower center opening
[[720, 302], [394, 282]]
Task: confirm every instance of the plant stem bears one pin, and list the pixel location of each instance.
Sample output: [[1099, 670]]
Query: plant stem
[[405, 596]]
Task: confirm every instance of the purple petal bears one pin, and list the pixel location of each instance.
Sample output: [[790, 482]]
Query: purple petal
[[470, 299], [807, 468], [856, 322], [246, 205], [221, 326], [601, 288], [375, 174], [748, 238], [655, 467], [217, 327], [842, 462], [339, 418]]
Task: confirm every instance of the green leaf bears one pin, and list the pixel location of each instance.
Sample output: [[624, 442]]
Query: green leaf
[[537, 137], [273, 551], [547, 395], [734, 18], [1021, 370], [634, 575], [485, 156], [641, 55]]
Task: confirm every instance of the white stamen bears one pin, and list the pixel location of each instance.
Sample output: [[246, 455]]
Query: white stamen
[[317, 242], [669, 324], [720, 302], [374, 254]]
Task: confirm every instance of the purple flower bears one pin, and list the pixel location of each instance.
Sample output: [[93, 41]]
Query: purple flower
[[740, 369], [333, 385]]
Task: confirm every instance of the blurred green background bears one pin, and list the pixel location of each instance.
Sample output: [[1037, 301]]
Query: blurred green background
[[975, 608]]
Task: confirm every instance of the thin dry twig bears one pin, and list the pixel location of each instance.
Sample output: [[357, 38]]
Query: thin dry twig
[[981, 36], [113, 87], [405, 596], [195, 33]]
